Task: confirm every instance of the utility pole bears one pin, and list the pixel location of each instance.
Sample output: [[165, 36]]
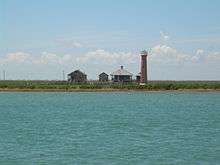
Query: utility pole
[[63, 75], [4, 75]]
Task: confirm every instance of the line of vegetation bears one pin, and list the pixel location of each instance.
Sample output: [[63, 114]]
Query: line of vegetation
[[151, 85]]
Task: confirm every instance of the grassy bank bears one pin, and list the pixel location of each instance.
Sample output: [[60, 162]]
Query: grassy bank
[[22, 85]]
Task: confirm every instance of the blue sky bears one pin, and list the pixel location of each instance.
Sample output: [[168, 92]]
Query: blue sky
[[39, 39]]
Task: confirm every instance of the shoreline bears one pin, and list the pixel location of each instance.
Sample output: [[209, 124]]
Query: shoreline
[[103, 90]]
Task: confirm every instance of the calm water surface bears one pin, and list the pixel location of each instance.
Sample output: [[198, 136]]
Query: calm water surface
[[109, 128]]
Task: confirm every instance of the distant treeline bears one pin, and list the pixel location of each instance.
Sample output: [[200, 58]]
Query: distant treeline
[[151, 85]]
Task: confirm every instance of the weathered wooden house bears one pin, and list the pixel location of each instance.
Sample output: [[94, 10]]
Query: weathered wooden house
[[121, 75], [103, 77], [77, 77]]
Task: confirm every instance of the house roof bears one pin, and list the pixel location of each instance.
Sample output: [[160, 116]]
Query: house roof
[[103, 73], [121, 72], [77, 71]]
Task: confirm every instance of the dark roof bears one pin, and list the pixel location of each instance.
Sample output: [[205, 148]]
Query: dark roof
[[103, 73], [76, 71]]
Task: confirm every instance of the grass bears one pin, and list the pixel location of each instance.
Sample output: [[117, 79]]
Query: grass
[[150, 86]]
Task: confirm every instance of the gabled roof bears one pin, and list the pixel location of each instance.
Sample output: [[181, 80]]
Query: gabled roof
[[103, 73], [121, 72], [77, 71]]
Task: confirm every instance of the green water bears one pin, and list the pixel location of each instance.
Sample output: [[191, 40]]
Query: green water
[[109, 128]]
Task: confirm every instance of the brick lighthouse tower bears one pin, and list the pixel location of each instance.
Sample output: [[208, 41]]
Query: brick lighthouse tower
[[143, 78]]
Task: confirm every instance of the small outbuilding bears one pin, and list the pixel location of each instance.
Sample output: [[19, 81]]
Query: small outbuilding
[[103, 77], [77, 77], [121, 75], [138, 77]]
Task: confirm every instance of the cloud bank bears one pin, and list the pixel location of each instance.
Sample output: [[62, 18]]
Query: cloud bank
[[160, 57], [158, 54]]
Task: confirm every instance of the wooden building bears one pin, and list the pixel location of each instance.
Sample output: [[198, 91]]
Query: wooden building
[[121, 75], [77, 77], [103, 77], [138, 77]]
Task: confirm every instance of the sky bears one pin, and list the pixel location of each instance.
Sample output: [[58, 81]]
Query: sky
[[41, 39]]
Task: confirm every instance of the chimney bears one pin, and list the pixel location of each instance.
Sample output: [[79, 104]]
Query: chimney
[[143, 79], [121, 67]]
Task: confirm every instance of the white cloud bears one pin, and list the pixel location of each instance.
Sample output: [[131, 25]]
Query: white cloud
[[199, 51], [77, 44], [54, 59], [71, 43], [167, 55], [203, 56], [198, 40], [104, 56], [164, 36], [198, 55], [18, 57], [164, 54], [99, 56], [159, 54], [48, 58], [214, 57]]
